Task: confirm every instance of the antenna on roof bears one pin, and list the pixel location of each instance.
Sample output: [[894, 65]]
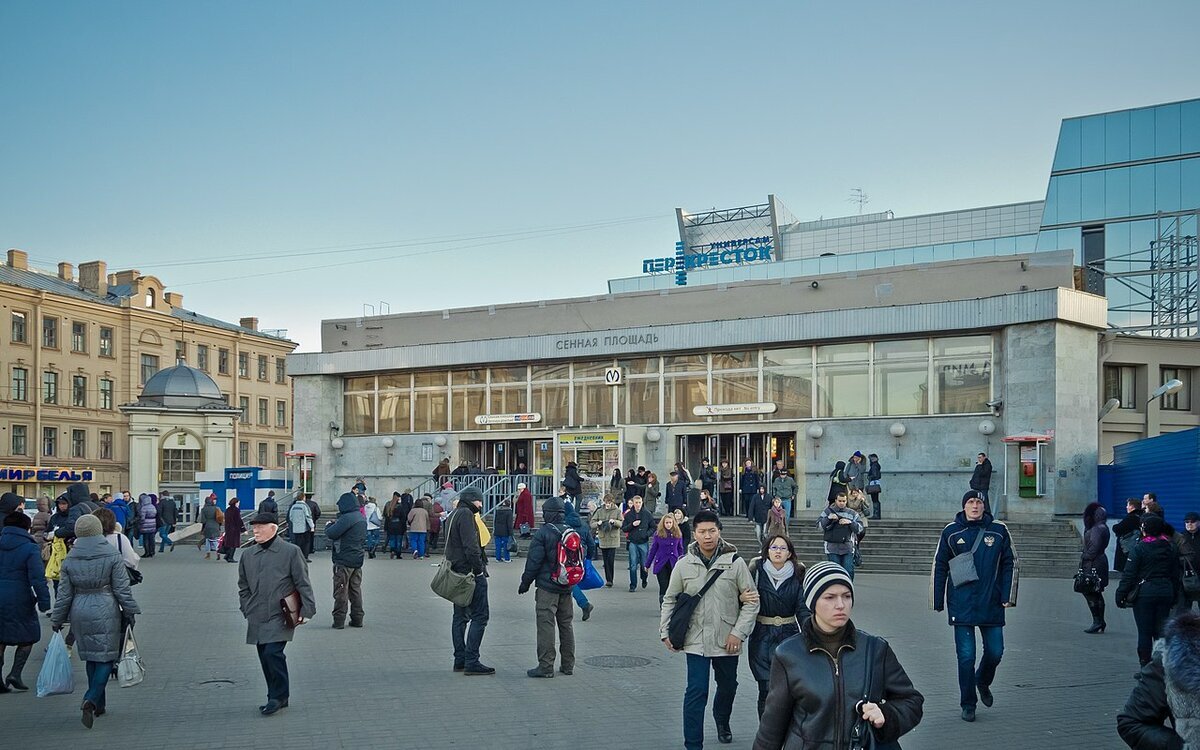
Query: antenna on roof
[[858, 196]]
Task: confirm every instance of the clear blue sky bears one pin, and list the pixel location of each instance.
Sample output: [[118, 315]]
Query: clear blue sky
[[152, 135]]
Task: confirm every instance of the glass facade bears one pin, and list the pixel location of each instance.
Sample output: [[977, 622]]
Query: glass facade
[[924, 376]]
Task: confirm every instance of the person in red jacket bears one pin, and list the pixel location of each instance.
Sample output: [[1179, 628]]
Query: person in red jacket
[[524, 519]]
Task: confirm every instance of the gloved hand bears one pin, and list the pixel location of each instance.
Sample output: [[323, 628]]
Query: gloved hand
[[127, 619], [523, 588], [56, 628]]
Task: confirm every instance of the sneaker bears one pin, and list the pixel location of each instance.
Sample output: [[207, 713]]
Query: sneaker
[[478, 669]]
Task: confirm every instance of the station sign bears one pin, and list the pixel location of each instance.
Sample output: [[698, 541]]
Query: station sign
[[526, 418], [44, 474], [578, 439], [718, 410], [613, 376]]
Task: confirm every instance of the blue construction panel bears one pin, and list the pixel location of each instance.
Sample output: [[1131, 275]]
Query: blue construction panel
[[1106, 491], [1167, 465]]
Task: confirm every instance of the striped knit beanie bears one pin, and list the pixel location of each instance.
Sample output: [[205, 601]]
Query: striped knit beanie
[[821, 576]]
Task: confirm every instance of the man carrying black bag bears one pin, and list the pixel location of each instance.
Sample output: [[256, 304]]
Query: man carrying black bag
[[709, 641]]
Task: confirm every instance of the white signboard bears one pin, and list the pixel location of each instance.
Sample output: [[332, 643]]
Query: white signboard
[[613, 376], [717, 410], [508, 418]]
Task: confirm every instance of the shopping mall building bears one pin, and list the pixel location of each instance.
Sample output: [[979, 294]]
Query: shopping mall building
[[924, 339]]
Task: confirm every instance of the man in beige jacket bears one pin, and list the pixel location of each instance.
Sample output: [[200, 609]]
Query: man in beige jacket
[[720, 625]]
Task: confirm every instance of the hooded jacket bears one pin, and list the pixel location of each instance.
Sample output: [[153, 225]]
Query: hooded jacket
[[22, 585], [502, 523], [120, 509], [980, 602], [93, 591], [1095, 542], [543, 549], [80, 504], [837, 481], [719, 613], [463, 550], [1167, 688], [348, 532]]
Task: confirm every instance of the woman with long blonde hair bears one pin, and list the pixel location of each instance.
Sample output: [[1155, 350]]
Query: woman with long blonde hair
[[666, 547]]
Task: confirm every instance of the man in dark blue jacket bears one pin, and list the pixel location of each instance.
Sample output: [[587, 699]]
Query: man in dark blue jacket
[[552, 600], [976, 603], [348, 532]]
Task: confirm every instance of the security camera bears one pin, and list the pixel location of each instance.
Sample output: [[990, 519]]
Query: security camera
[[995, 403], [815, 284]]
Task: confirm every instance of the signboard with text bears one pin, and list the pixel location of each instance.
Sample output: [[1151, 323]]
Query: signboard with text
[[44, 474]]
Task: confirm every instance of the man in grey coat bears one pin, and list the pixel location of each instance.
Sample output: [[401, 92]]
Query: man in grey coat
[[268, 572], [349, 536]]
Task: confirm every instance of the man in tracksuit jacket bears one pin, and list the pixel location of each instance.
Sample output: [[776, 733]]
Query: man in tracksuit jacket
[[978, 604]]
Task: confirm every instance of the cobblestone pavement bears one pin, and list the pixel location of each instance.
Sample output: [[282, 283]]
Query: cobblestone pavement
[[390, 684]]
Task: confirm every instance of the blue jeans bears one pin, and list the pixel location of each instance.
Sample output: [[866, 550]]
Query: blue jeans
[[580, 598], [372, 540], [98, 673], [396, 543], [416, 542], [502, 553], [964, 647], [466, 644], [274, 667], [164, 535], [695, 697], [638, 554], [787, 508], [846, 561]]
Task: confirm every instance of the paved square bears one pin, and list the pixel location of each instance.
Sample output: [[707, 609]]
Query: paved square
[[390, 684]]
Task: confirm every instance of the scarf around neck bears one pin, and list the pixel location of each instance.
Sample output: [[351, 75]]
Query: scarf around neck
[[779, 576]]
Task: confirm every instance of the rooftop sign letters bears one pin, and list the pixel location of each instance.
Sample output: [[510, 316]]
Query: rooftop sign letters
[[44, 474], [727, 253]]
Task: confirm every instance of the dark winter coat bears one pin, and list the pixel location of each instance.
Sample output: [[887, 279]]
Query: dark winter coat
[[813, 693], [542, 558], [234, 528], [981, 476], [1168, 688], [786, 601], [93, 591], [708, 480], [1152, 568], [270, 505], [79, 505], [980, 602], [638, 534], [760, 506], [1130, 524], [572, 481], [168, 511], [266, 575], [210, 527], [676, 495], [396, 517], [463, 550], [1095, 542], [837, 481], [22, 585], [348, 533], [750, 482], [502, 525], [1188, 545]]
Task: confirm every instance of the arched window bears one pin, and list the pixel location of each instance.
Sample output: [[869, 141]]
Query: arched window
[[150, 297]]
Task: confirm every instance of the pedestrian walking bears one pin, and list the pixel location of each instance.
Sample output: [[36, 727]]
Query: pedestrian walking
[[981, 479], [776, 520], [374, 526], [552, 600], [464, 553], [147, 523], [572, 518], [502, 528], [784, 488], [168, 516], [708, 477], [524, 511], [1150, 583], [1093, 562], [725, 476], [638, 525], [749, 483], [759, 512], [666, 548], [976, 604], [1166, 690], [834, 685], [269, 572], [348, 533], [418, 529], [23, 592], [653, 492], [211, 519], [302, 525], [269, 503], [856, 472], [778, 580], [396, 525], [94, 595], [875, 485], [720, 623], [840, 526], [837, 481], [675, 492], [231, 540], [437, 515], [606, 526]]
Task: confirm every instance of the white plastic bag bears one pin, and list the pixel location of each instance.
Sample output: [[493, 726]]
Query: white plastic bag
[[130, 669], [56, 677]]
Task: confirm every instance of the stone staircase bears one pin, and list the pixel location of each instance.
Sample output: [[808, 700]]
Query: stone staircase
[[1045, 550]]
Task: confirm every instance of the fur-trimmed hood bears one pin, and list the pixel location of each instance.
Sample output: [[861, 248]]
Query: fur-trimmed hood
[[1180, 653]]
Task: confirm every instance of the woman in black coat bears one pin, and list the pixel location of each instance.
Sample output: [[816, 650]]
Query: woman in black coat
[[1152, 571], [1126, 530], [778, 577], [1095, 560], [837, 481]]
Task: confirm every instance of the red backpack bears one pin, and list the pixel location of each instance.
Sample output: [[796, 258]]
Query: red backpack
[[569, 570]]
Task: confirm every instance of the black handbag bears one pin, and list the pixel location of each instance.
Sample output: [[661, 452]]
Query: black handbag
[[860, 734], [1191, 581], [1087, 583], [681, 616]]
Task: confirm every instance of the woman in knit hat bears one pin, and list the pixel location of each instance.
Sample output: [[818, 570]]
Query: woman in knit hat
[[829, 656], [94, 595]]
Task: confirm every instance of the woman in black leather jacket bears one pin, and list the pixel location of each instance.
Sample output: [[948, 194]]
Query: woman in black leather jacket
[[1095, 559], [778, 576], [834, 683], [1153, 571]]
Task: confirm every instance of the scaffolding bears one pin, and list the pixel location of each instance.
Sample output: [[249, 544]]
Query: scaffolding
[[1161, 279]]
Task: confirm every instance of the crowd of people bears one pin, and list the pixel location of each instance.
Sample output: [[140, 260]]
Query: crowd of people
[[793, 622]]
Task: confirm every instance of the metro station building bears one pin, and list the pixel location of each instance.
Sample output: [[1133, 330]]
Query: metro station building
[[923, 339]]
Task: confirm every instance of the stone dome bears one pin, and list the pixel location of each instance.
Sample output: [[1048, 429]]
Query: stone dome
[[182, 387]]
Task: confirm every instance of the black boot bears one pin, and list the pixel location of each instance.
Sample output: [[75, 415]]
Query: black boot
[[14, 674], [3, 687], [1096, 605]]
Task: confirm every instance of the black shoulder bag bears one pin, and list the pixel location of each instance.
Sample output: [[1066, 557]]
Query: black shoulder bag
[[685, 607], [860, 734]]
